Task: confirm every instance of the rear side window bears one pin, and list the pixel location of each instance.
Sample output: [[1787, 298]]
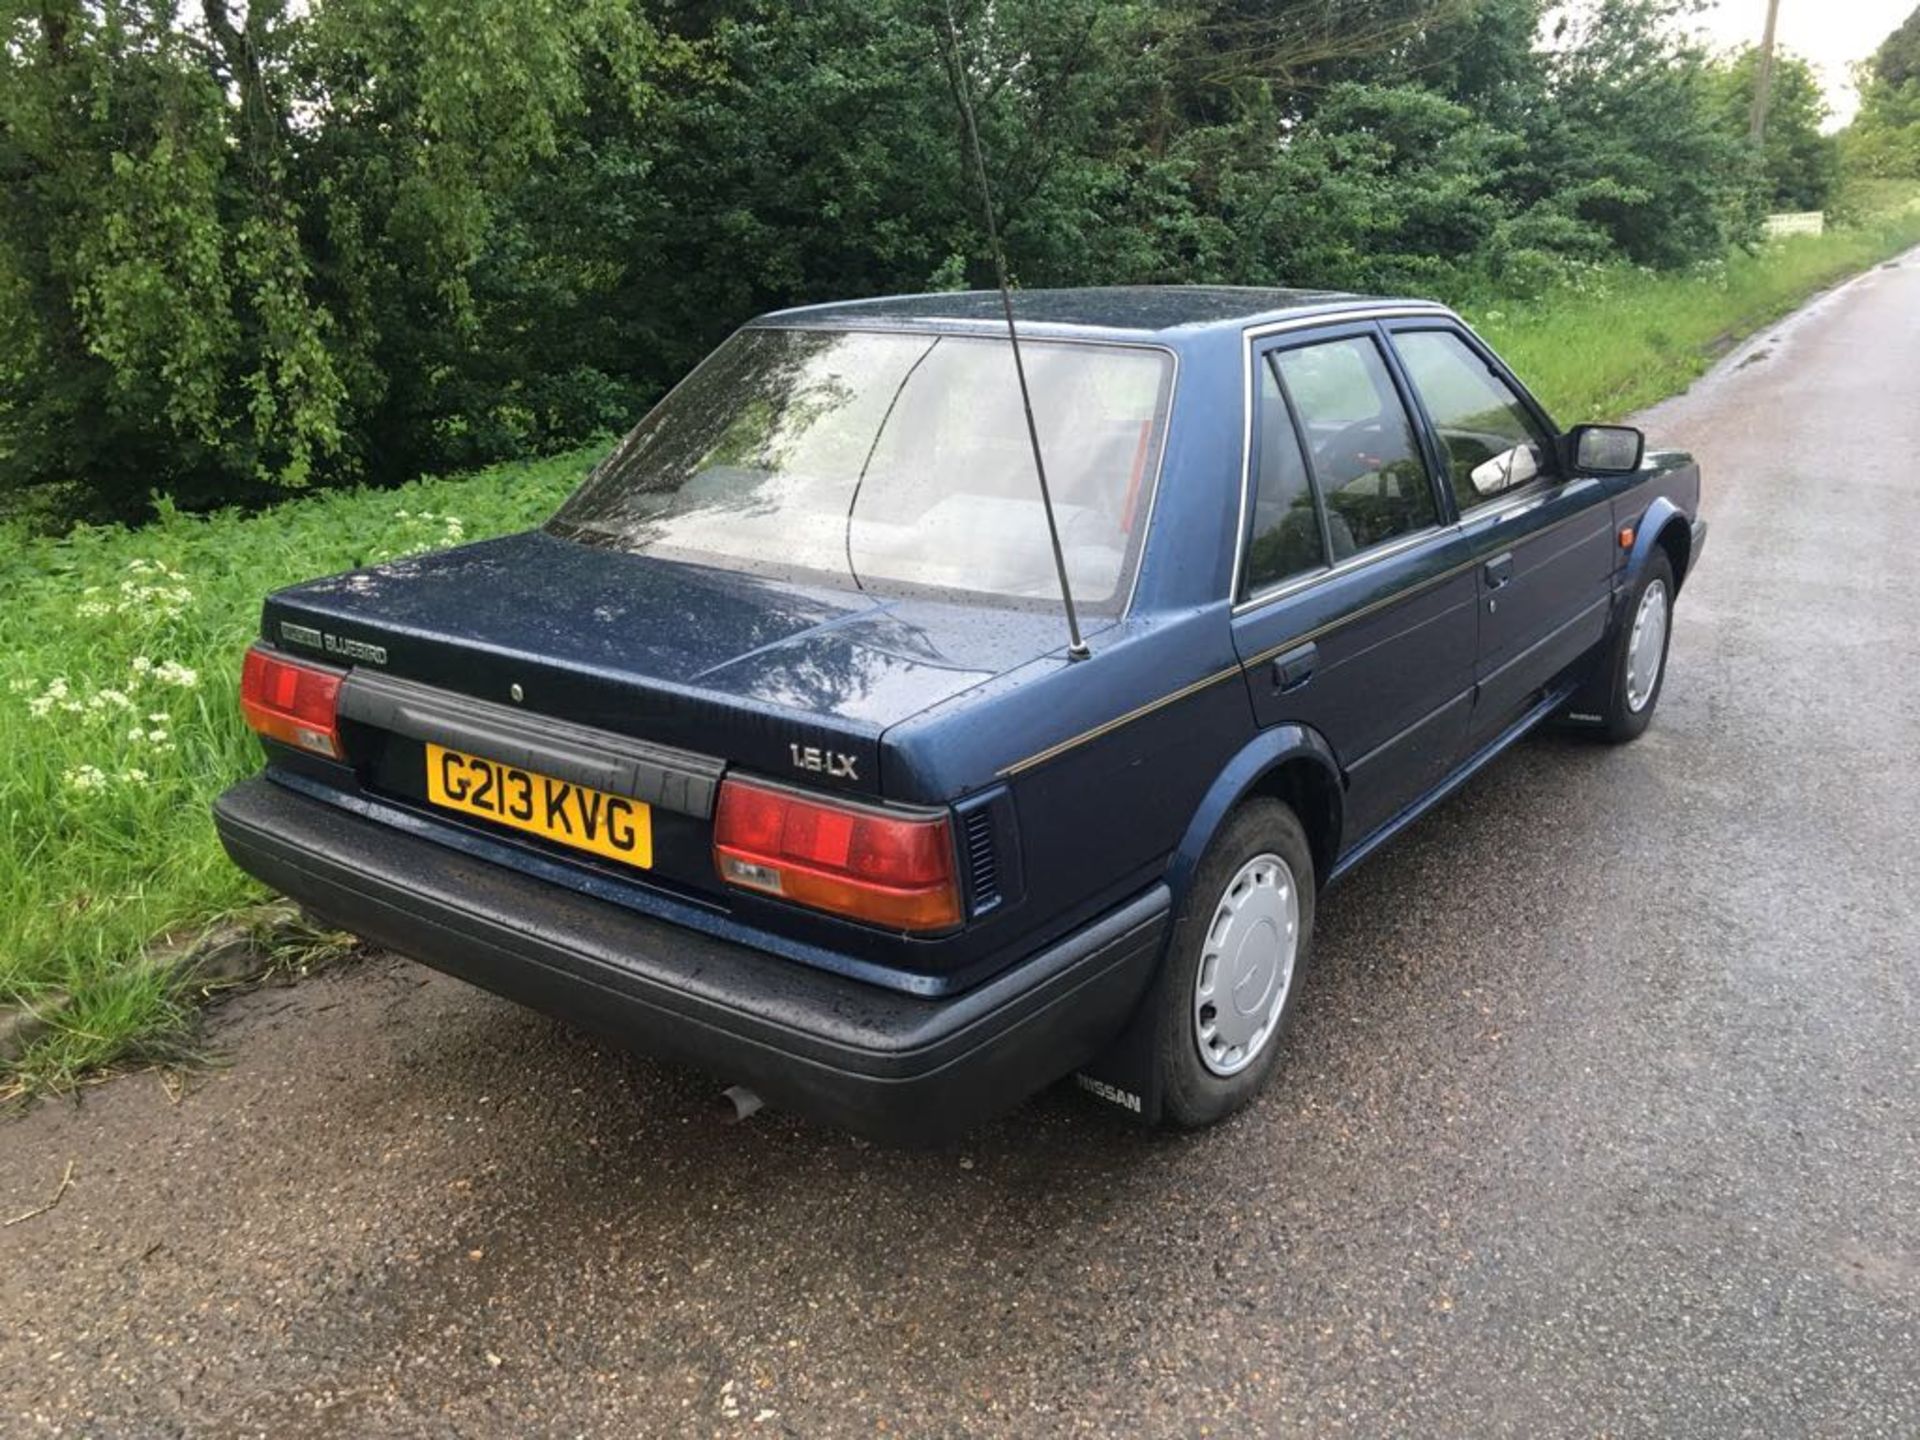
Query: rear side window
[[1361, 442], [1286, 538], [1493, 444]]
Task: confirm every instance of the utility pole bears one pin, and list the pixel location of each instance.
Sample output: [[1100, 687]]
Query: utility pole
[[1763, 79]]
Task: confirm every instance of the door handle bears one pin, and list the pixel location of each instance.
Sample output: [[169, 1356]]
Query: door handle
[[1499, 571], [1295, 668]]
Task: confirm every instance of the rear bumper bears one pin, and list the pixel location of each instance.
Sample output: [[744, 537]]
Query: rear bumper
[[894, 1066]]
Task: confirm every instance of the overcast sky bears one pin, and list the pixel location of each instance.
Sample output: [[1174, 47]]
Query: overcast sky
[[1831, 33]]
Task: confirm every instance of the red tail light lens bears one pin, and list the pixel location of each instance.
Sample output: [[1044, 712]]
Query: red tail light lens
[[291, 702], [890, 870]]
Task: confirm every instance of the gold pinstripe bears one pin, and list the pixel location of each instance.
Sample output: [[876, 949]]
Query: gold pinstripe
[[1127, 719], [1140, 712]]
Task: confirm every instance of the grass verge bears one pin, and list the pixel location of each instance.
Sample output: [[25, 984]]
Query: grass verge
[[119, 649], [119, 721], [1628, 337]]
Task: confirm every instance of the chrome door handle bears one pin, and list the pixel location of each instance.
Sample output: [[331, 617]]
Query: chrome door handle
[[1499, 571]]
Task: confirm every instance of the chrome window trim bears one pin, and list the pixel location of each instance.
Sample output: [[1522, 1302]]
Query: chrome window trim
[[1295, 584], [1496, 508], [1250, 336], [1249, 339]]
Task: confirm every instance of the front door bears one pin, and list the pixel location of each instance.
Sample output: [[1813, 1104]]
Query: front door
[[1356, 601], [1543, 551]]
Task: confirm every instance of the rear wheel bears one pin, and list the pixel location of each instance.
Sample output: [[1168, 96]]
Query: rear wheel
[[1233, 966], [1639, 659]]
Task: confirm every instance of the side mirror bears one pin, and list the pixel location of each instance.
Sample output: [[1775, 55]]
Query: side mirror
[[1606, 449]]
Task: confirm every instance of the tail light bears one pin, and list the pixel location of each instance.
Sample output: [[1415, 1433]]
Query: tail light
[[857, 861], [292, 702]]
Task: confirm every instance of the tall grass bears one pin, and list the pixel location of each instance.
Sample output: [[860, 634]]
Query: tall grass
[[119, 723], [119, 649], [1625, 337]]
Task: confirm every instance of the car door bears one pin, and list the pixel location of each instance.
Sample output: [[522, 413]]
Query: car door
[[1355, 599], [1542, 545]]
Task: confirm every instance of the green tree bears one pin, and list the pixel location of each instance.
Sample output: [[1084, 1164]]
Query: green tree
[[249, 248], [1799, 166], [1884, 138], [200, 268]]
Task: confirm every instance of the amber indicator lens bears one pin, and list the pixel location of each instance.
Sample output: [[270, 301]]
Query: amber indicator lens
[[291, 702]]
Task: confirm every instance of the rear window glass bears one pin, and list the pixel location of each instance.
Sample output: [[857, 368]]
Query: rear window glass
[[881, 460]]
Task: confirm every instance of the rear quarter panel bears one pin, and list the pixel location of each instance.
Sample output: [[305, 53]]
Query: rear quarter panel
[[1106, 761]]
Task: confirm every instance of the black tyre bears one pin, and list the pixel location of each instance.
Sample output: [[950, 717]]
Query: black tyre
[[1637, 663], [1234, 964]]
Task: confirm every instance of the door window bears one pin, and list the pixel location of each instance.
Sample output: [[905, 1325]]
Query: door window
[[1286, 539], [1362, 445], [1492, 441]]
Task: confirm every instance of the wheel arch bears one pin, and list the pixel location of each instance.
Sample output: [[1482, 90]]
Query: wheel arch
[[1664, 527], [1291, 763]]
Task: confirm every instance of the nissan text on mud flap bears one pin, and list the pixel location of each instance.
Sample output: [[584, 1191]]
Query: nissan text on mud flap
[[769, 753]]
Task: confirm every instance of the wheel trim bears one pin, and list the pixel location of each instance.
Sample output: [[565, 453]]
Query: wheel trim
[[1647, 646], [1246, 965]]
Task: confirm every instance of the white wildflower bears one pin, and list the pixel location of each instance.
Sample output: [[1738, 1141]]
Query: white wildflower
[[134, 775], [142, 665], [20, 684], [172, 672], [41, 705], [160, 717], [92, 609], [85, 777]]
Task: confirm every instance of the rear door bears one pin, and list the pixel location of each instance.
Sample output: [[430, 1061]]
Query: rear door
[[1355, 604], [1542, 547]]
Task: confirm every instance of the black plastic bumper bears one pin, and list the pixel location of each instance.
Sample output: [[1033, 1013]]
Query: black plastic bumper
[[890, 1065]]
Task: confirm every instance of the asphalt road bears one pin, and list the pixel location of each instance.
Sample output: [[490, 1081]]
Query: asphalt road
[[1601, 1117]]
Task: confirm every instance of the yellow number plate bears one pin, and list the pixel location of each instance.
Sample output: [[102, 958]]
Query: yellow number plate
[[611, 825]]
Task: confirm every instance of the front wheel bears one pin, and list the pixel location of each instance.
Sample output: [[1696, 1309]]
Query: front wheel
[[1639, 658], [1234, 963]]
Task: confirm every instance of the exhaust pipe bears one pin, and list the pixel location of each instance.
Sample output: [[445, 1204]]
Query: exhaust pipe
[[737, 1103]]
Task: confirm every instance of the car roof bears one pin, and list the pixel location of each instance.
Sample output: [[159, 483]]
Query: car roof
[[1130, 311]]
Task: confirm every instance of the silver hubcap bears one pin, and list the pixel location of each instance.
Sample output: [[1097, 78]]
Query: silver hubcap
[[1246, 968], [1646, 646]]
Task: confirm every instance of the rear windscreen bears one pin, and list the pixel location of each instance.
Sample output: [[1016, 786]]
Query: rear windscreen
[[886, 460]]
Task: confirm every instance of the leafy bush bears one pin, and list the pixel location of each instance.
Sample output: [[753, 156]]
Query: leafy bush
[[248, 251]]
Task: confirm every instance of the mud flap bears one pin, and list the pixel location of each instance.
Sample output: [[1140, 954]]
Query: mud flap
[[1126, 1074], [1586, 708]]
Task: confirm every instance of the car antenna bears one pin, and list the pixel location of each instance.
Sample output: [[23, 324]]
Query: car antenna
[[956, 74]]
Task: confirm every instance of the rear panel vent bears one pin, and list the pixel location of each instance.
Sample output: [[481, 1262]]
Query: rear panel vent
[[982, 859]]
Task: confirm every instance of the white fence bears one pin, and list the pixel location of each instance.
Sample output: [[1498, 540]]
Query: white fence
[[1800, 222]]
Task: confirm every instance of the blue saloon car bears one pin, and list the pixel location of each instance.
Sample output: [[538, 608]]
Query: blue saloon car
[[768, 753]]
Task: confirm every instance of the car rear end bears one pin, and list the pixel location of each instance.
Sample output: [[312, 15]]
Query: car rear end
[[632, 770]]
